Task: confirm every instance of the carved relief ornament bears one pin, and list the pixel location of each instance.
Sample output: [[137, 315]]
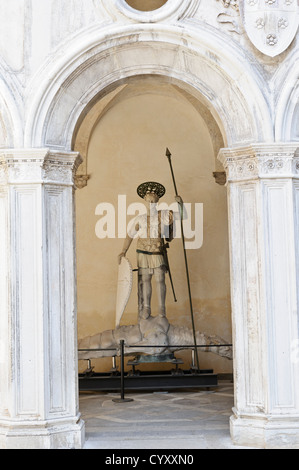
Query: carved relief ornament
[[254, 162], [230, 3], [271, 25], [38, 166]]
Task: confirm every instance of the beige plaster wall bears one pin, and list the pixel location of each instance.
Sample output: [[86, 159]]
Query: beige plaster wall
[[127, 147]]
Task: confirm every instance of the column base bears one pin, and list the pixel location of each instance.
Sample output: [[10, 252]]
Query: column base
[[58, 434], [265, 432]]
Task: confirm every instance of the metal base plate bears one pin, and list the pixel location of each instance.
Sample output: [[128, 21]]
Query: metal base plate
[[148, 380], [122, 400], [147, 358]]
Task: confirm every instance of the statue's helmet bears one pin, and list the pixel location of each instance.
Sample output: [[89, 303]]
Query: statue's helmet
[[151, 187]]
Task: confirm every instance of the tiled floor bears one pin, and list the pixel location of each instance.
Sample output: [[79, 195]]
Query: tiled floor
[[193, 419]]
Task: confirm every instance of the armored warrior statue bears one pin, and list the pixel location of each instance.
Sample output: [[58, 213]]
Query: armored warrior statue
[[151, 229], [152, 332]]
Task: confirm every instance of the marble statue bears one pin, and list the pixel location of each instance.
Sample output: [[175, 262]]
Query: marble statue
[[151, 229], [152, 335], [150, 332]]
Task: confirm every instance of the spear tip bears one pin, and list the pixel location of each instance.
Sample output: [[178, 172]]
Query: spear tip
[[168, 154]]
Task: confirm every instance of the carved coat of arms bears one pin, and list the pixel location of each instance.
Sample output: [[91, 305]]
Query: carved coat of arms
[[271, 25]]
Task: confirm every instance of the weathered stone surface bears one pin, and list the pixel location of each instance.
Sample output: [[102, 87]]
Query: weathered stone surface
[[155, 332]]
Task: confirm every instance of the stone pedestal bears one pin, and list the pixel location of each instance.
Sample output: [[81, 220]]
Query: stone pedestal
[[38, 339], [263, 195]]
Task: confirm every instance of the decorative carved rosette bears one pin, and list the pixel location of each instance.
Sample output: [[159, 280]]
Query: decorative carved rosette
[[230, 3]]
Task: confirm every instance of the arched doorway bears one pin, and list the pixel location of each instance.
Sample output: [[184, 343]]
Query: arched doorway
[[122, 140], [220, 83], [192, 65], [261, 187]]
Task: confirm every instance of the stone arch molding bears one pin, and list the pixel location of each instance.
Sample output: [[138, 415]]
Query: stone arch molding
[[171, 10], [235, 97], [11, 129], [287, 103]]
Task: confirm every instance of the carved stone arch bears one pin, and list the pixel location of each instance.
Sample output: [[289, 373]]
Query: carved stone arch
[[142, 84], [10, 108], [287, 102], [234, 97]]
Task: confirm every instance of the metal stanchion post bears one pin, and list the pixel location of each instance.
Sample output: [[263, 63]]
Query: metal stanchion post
[[122, 398]]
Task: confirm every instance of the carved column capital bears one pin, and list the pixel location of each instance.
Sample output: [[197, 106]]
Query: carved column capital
[[21, 165], [260, 161], [38, 166], [61, 167]]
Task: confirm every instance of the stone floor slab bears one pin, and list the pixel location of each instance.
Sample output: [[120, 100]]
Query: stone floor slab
[[196, 419]]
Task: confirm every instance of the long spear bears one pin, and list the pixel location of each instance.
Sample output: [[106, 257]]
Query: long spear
[[168, 155]]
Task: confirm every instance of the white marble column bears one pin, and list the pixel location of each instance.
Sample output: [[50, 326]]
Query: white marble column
[[263, 195], [38, 337]]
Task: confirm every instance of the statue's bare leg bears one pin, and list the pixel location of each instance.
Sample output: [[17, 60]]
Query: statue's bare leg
[[161, 289], [144, 292]]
